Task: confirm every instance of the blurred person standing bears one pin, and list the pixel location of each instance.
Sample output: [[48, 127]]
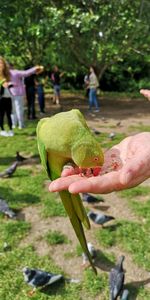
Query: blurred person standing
[[56, 77], [18, 92], [30, 96], [39, 83], [93, 85], [5, 98], [86, 85]]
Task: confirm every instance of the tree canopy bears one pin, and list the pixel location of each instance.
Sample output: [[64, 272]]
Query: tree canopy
[[75, 34]]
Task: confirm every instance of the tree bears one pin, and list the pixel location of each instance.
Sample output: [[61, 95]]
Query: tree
[[74, 34]]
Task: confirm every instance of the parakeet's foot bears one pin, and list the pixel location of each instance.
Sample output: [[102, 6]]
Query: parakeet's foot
[[31, 293], [85, 266]]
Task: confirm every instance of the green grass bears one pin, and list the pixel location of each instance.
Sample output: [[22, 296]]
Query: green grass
[[122, 95], [106, 142], [56, 237], [133, 237], [139, 128], [12, 231], [53, 207], [96, 285], [141, 209], [134, 193]]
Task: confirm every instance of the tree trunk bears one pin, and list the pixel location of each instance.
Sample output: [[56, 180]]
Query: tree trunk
[[101, 70]]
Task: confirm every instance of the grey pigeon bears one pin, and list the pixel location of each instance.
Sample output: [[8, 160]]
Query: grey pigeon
[[9, 172], [99, 218], [125, 295], [19, 157], [112, 135], [97, 132], [91, 199], [116, 279], [6, 247], [92, 252], [118, 124], [4, 208], [38, 278]]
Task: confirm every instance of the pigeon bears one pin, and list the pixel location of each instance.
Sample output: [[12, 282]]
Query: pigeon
[[125, 295], [4, 208], [19, 157], [112, 135], [97, 132], [99, 218], [91, 199], [118, 124], [6, 247], [92, 252], [38, 278], [9, 172], [116, 279]]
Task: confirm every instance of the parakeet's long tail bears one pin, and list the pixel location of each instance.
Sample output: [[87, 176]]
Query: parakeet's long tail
[[77, 215]]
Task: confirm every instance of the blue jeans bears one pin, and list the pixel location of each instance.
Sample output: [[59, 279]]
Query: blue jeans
[[41, 98], [17, 112], [57, 89], [93, 99]]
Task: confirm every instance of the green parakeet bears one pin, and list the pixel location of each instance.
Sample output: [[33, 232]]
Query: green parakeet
[[64, 138]]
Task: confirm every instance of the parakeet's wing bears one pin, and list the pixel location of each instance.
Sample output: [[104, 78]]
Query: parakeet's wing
[[43, 156], [53, 168], [72, 203]]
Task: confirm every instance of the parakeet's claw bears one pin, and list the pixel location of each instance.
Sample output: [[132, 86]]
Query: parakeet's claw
[[85, 266], [69, 165], [31, 293]]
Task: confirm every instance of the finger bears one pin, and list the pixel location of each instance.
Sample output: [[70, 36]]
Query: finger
[[100, 184], [63, 183]]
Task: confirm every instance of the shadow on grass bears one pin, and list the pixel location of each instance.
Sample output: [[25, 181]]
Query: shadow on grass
[[12, 197], [56, 288], [112, 227], [103, 262], [7, 160], [135, 286], [101, 207]]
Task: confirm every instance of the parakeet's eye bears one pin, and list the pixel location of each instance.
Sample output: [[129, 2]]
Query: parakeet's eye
[[96, 159]]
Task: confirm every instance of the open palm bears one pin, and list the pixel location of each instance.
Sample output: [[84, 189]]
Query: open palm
[[127, 164]]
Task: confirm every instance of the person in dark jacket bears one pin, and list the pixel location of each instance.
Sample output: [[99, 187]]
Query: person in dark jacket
[[56, 77]]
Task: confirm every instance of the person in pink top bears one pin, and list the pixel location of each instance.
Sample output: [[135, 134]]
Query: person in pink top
[[145, 93], [18, 92]]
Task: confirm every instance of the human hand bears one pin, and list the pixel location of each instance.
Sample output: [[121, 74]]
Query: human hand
[[145, 93], [39, 69], [127, 164], [5, 84]]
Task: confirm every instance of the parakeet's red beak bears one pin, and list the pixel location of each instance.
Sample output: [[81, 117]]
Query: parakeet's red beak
[[96, 171], [89, 171]]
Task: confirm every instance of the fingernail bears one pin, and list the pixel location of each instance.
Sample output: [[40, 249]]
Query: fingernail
[[51, 187]]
